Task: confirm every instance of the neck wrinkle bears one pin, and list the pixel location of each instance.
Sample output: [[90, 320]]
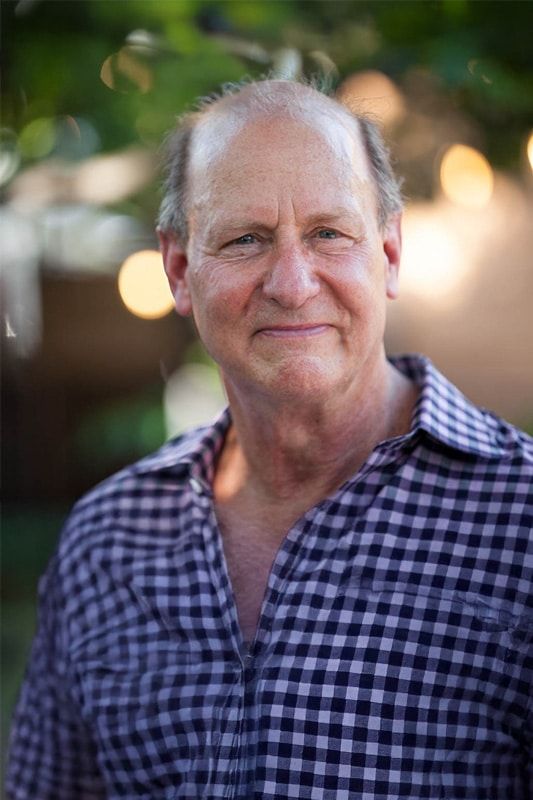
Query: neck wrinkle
[[277, 451]]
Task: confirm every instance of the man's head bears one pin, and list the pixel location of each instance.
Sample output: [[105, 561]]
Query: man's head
[[278, 239], [269, 97]]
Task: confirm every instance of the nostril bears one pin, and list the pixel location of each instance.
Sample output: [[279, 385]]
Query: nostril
[[291, 292]]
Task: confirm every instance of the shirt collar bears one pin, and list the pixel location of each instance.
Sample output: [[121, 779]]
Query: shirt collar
[[441, 411], [446, 415], [193, 453]]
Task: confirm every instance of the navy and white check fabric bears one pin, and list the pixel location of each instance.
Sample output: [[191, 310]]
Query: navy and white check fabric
[[393, 657]]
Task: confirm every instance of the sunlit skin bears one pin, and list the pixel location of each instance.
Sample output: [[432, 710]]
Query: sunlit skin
[[287, 275]]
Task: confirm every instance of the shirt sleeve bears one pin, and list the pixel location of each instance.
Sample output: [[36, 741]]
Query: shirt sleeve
[[51, 754]]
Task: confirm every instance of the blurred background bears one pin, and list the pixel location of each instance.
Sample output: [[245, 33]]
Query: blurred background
[[96, 368]]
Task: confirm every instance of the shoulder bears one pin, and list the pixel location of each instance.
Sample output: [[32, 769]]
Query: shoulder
[[137, 510]]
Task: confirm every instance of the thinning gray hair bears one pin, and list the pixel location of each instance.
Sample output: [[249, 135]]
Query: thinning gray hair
[[259, 96]]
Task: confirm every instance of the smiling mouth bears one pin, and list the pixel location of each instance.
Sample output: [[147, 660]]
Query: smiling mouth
[[294, 331]]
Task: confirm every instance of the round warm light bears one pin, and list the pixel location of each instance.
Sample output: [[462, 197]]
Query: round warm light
[[434, 265], [143, 286], [122, 68], [530, 149], [466, 177], [373, 92]]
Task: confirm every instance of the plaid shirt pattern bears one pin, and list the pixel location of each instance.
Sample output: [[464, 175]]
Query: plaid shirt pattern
[[393, 657]]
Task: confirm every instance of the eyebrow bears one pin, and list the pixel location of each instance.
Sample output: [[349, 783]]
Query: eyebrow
[[233, 228], [340, 213]]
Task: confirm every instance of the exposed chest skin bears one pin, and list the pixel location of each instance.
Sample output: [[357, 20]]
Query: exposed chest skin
[[251, 539]]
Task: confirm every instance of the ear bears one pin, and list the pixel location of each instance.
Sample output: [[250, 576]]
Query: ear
[[392, 248], [176, 264]]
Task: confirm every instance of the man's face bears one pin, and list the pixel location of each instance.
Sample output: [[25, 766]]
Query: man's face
[[286, 271]]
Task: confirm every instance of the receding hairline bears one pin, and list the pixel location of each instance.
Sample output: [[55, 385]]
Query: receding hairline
[[276, 94], [270, 99]]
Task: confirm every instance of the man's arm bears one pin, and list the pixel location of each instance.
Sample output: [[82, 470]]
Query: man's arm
[[52, 755]]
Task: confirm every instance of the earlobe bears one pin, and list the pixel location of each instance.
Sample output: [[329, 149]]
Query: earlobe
[[392, 247], [176, 264]]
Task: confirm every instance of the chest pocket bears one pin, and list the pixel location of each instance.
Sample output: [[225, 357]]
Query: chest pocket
[[439, 643], [442, 618]]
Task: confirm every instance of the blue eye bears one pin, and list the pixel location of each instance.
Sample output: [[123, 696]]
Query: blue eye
[[247, 238], [327, 233]]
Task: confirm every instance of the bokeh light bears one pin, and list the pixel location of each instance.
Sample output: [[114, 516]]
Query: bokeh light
[[76, 138], [122, 70], [113, 177], [433, 264], [373, 92], [143, 286], [530, 150], [192, 396], [466, 177], [9, 155], [38, 137]]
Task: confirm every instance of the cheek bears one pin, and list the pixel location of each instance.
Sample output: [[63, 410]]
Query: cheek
[[218, 298], [359, 286]]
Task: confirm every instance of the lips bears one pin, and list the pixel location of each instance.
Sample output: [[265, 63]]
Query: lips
[[294, 331]]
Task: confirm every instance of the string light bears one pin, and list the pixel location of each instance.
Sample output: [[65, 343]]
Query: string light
[[466, 177], [143, 286]]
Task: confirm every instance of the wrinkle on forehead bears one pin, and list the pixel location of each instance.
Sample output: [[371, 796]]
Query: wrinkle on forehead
[[327, 146], [281, 168]]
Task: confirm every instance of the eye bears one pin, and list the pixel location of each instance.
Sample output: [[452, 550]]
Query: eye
[[331, 240], [247, 238]]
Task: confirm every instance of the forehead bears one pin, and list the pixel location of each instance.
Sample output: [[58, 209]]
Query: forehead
[[270, 152]]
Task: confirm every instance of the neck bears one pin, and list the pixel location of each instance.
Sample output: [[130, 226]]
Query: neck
[[280, 449]]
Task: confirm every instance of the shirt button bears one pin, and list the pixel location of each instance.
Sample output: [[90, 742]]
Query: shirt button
[[196, 485]]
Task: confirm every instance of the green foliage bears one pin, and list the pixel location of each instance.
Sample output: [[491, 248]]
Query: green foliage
[[55, 50], [28, 536], [122, 70], [121, 432]]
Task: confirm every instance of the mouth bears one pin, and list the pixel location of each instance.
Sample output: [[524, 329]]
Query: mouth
[[294, 331]]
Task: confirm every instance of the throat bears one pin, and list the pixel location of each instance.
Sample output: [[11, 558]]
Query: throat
[[283, 452]]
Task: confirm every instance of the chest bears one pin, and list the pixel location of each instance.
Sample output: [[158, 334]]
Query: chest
[[250, 548], [343, 653]]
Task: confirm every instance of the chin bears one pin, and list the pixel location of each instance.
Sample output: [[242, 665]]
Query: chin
[[303, 380]]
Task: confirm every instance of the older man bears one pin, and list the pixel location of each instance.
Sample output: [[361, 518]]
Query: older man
[[327, 593]]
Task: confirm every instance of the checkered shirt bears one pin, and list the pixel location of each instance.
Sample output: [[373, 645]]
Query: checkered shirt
[[393, 657]]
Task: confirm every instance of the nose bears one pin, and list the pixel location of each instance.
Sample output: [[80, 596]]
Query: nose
[[291, 280]]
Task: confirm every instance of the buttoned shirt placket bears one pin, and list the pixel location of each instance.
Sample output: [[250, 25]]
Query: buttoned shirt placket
[[234, 731]]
